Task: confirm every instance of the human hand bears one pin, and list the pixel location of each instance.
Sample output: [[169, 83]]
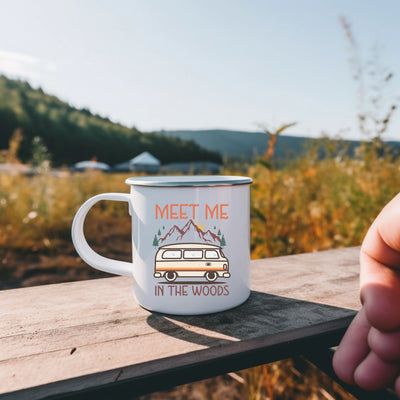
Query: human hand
[[369, 353]]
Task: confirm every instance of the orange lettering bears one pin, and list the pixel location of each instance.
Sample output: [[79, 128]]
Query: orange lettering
[[223, 214], [170, 211], [182, 214], [214, 210], [164, 210], [194, 209], [173, 214]]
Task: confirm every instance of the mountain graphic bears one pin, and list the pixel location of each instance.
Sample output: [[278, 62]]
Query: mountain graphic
[[173, 233], [190, 233]]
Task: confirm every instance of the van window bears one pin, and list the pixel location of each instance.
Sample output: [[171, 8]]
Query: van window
[[193, 254], [211, 254], [171, 254]]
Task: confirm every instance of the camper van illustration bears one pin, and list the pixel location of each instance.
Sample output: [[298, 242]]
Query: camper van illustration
[[192, 260]]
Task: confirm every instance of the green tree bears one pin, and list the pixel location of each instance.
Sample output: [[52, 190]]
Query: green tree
[[223, 242], [155, 241], [72, 135]]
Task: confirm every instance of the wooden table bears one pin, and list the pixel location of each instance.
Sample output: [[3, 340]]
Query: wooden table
[[90, 338]]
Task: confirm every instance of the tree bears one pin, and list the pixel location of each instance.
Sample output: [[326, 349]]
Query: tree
[[155, 241], [73, 135], [223, 242]]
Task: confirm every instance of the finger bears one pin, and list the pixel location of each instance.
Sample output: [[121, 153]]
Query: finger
[[385, 344], [353, 348], [380, 293], [374, 373], [380, 268], [382, 241]]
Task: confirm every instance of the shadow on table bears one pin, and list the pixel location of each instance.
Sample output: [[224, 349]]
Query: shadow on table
[[261, 315]]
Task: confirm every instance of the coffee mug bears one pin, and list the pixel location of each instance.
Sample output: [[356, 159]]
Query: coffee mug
[[190, 242]]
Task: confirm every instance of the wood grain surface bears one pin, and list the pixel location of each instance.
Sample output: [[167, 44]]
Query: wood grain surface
[[84, 337]]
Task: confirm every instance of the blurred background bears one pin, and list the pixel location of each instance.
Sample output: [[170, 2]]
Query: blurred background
[[300, 95]]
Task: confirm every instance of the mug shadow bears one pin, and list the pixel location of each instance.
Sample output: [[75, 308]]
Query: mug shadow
[[262, 314]]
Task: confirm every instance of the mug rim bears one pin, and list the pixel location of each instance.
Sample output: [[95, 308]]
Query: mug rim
[[188, 180]]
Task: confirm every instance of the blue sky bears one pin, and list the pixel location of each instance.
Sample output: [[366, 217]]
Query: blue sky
[[202, 64]]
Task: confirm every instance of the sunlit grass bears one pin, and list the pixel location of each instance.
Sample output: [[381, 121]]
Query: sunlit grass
[[38, 211], [310, 205], [318, 205]]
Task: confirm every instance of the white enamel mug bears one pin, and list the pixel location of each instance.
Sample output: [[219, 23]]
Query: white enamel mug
[[190, 242]]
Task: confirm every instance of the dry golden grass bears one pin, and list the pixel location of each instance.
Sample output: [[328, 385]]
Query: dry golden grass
[[36, 215], [292, 379], [318, 205], [310, 205]]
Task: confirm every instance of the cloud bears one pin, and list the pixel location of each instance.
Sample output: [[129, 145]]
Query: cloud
[[21, 65]]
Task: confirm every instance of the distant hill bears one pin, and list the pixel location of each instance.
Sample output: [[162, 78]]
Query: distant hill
[[249, 145], [238, 144], [72, 134]]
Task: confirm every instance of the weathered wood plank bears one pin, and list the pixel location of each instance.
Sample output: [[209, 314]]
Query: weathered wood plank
[[327, 277], [67, 337]]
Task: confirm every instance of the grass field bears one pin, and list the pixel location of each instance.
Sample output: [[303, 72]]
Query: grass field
[[309, 205]]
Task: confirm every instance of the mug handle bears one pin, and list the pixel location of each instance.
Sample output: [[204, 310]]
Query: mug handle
[[81, 245]]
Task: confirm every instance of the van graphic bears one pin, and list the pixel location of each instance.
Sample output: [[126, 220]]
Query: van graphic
[[191, 260]]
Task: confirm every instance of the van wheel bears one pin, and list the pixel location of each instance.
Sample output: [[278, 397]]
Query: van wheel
[[211, 276], [170, 276]]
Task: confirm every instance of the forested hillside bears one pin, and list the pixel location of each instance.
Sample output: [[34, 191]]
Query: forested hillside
[[73, 135]]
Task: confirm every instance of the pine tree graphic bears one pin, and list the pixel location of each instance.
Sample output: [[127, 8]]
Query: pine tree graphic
[[155, 241], [223, 242], [219, 232], [159, 233]]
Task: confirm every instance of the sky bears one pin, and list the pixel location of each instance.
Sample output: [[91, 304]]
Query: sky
[[210, 64]]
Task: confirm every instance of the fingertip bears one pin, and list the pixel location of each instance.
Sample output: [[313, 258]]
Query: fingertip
[[375, 374], [353, 349], [343, 369]]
